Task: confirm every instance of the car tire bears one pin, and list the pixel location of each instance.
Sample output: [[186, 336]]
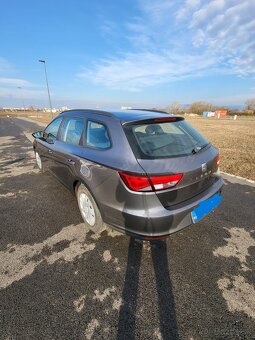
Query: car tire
[[89, 210], [39, 161]]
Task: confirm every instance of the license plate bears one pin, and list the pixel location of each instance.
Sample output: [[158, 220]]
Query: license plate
[[205, 207]]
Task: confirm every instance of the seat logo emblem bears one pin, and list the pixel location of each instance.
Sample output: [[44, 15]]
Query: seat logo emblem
[[204, 167]]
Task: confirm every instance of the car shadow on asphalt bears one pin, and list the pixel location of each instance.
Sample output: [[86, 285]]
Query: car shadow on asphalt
[[127, 314]]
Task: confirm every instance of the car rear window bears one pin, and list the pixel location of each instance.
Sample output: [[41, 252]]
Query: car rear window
[[164, 140]]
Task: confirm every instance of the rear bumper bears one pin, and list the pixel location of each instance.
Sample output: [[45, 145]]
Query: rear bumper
[[157, 222]]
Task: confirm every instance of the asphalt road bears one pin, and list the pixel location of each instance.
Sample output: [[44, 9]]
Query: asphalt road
[[59, 281]]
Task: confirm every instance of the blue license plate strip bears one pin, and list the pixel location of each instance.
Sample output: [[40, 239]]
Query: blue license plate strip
[[205, 207]]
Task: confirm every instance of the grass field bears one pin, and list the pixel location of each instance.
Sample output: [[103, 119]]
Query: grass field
[[234, 138]]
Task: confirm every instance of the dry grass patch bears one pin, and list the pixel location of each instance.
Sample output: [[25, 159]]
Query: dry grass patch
[[236, 141], [45, 120]]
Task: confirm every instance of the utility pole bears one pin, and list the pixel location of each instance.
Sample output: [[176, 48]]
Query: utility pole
[[46, 77]]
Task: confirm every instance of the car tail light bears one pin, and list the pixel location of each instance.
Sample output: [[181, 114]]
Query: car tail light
[[217, 159], [136, 183], [168, 119], [165, 182], [150, 183]]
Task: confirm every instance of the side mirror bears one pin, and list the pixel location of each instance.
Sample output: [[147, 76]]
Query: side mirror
[[50, 138], [38, 134], [47, 137]]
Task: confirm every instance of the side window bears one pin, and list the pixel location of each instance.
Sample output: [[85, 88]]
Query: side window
[[71, 131], [52, 128], [97, 135]]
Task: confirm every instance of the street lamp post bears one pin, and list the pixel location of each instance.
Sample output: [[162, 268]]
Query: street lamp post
[[46, 77], [22, 98]]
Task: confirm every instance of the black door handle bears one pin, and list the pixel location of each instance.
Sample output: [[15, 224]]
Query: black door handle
[[70, 161]]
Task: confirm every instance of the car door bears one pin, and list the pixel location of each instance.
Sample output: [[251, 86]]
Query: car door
[[67, 148], [45, 147]]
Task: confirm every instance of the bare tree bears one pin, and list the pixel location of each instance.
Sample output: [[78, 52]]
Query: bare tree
[[200, 107], [175, 107], [250, 104]]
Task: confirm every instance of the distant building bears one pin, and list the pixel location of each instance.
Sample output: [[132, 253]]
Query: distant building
[[208, 114], [49, 110], [14, 109], [216, 114], [220, 113]]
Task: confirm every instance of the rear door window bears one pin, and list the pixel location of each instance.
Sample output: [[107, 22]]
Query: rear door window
[[72, 130], [163, 140], [97, 135]]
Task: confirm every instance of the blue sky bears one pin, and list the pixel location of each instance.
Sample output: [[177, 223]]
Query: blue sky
[[108, 53]]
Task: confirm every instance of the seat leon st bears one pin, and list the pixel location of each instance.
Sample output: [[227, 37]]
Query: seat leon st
[[145, 173]]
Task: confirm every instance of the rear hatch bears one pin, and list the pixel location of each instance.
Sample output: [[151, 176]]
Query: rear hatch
[[170, 146]]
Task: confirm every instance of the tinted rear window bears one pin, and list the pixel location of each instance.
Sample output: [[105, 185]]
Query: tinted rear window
[[164, 140]]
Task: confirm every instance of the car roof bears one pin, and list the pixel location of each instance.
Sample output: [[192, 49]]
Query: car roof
[[123, 115]]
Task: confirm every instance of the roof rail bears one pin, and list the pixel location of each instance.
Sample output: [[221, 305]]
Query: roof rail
[[150, 110], [100, 112]]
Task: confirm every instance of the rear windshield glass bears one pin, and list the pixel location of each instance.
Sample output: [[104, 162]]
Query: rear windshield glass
[[162, 140]]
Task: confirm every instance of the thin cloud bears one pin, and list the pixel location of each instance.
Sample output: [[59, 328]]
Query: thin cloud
[[175, 40], [17, 88], [7, 92], [155, 10], [5, 66], [188, 6], [15, 82], [108, 27], [135, 71], [231, 33]]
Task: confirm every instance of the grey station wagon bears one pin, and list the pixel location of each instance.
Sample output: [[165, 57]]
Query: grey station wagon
[[144, 173]]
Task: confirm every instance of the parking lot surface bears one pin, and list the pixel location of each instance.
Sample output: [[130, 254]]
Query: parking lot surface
[[58, 280]]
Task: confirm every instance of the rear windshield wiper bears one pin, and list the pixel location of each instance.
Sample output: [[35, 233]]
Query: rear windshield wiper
[[198, 148]]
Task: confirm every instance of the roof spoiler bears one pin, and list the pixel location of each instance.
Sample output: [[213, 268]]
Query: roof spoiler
[[156, 120], [150, 110]]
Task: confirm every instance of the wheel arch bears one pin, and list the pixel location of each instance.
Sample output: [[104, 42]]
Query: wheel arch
[[76, 184]]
